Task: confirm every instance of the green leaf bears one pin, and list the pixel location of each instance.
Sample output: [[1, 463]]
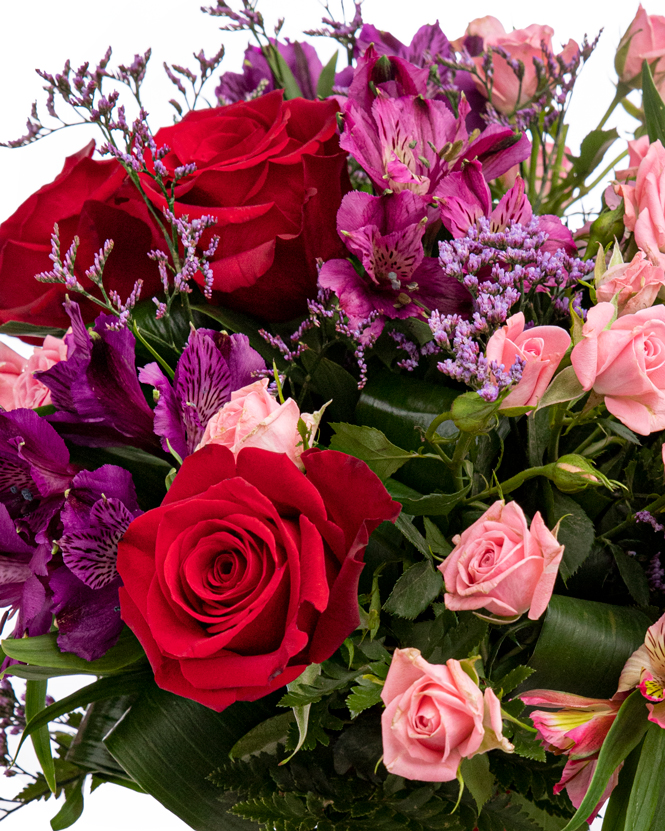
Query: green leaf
[[654, 107], [28, 330], [35, 700], [472, 414], [607, 226], [649, 781], [362, 698], [435, 539], [478, 778], [632, 575], [87, 749], [543, 820], [414, 591], [576, 533], [326, 80], [43, 651], [73, 807], [263, 738], [333, 383], [527, 745], [301, 711], [513, 679], [143, 742], [370, 445], [564, 387], [620, 430], [461, 641], [242, 324], [583, 646], [405, 525], [434, 504], [625, 734], [284, 78], [615, 811], [594, 146]]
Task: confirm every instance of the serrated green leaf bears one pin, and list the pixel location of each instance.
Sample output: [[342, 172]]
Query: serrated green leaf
[[544, 821], [503, 813], [370, 445], [632, 575], [434, 504], [435, 539], [405, 525], [528, 746], [514, 678], [625, 734], [654, 107], [362, 698], [576, 532], [414, 591], [478, 778], [461, 641], [263, 738], [326, 80]]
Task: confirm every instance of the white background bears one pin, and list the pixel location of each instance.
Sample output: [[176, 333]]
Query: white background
[[44, 33]]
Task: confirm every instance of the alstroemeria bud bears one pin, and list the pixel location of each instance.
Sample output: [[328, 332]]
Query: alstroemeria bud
[[573, 473]]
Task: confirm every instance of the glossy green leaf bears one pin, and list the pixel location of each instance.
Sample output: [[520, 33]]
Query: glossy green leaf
[[43, 651], [414, 591], [87, 749], [28, 330], [284, 78], [583, 646], [564, 387], [625, 734], [370, 445], [594, 146], [263, 738], [35, 701], [326, 80], [73, 807], [435, 539], [478, 778], [614, 818], [143, 742], [654, 106], [576, 533], [434, 504], [333, 383], [632, 575], [244, 325], [649, 781]]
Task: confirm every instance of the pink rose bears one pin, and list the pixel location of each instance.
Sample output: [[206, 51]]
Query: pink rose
[[501, 565], [637, 150], [645, 204], [635, 284], [624, 361], [436, 716], [18, 386], [644, 40], [508, 93], [253, 418], [542, 347]]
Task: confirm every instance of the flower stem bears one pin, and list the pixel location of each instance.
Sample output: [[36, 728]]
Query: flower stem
[[653, 507]]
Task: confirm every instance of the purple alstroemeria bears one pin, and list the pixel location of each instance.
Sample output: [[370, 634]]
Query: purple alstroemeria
[[96, 390], [256, 77], [211, 367], [464, 198], [391, 75], [385, 234], [99, 507]]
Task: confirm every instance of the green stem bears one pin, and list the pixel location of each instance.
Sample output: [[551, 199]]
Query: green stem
[[434, 425], [556, 425], [464, 442], [587, 441], [533, 162], [164, 365], [599, 446], [511, 484], [613, 105], [653, 507]]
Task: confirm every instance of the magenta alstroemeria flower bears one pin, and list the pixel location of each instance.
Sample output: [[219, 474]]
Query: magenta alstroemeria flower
[[392, 76], [385, 234], [645, 669], [576, 778]]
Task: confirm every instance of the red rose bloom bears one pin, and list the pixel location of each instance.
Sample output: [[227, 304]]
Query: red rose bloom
[[94, 200], [248, 571], [273, 175]]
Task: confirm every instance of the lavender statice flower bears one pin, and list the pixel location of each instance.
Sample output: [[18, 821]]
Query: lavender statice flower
[[649, 519], [655, 573], [410, 362]]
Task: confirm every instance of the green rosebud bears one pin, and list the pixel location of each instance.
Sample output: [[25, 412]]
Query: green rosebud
[[573, 473]]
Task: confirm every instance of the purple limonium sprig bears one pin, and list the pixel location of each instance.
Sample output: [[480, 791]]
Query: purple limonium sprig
[[656, 574], [649, 519]]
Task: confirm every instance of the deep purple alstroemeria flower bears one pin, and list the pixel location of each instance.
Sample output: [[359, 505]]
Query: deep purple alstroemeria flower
[[464, 198], [393, 76], [385, 233], [302, 60], [211, 367], [96, 390], [99, 507]]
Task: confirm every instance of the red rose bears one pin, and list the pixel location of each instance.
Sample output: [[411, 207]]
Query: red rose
[[91, 199], [272, 173], [248, 571]]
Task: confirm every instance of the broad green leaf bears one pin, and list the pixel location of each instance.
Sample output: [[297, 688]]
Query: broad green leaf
[[472, 414], [462, 641], [143, 742], [632, 575], [370, 445], [620, 430], [73, 807], [649, 781], [263, 738], [333, 383], [43, 651], [615, 811], [435, 539], [35, 701], [242, 324], [576, 533], [405, 525], [654, 107], [594, 146], [583, 646], [564, 387], [414, 591], [283, 76], [327, 78], [434, 504], [625, 734], [87, 749], [478, 778], [28, 330]]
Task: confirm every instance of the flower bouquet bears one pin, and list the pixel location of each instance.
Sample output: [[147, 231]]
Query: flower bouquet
[[337, 464]]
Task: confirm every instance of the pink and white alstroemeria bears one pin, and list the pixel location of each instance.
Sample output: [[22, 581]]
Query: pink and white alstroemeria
[[645, 669]]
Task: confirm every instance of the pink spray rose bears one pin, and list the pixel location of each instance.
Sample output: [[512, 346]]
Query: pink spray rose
[[435, 716], [624, 361], [501, 565], [542, 347], [253, 418], [635, 284], [644, 40], [645, 204], [637, 150], [18, 385]]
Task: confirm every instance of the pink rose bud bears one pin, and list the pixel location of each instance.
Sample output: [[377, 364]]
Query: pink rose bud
[[18, 385], [643, 40], [623, 360], [644, 200], [542, 347], [501, 565], [635, 284], [253, 418], [435, 716]]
